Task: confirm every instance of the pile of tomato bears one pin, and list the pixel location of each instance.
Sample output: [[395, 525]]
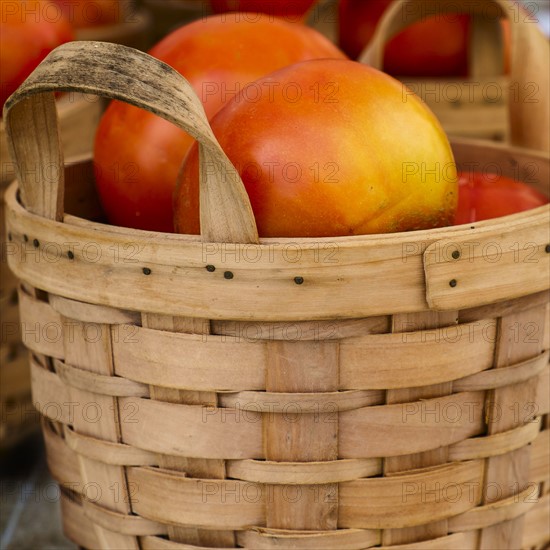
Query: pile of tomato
[[325, 146]]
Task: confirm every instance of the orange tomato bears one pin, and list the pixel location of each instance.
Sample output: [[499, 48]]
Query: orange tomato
[[435, 46], [29, 31], [486, 196], [329, 148]]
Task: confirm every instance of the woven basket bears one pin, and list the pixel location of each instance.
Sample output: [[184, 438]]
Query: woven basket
[[78, 116], [134, 29], [169, 14], [477, 106], [347, 393]]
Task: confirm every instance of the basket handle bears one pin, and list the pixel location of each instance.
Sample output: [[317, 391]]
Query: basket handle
[[529, 102], [118, 72]]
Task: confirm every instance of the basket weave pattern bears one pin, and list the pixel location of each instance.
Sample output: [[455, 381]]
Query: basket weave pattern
[[398, 397], [355, 449]]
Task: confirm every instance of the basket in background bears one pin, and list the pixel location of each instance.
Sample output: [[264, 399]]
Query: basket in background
[[168, 15], [134, 28], [479, 106]]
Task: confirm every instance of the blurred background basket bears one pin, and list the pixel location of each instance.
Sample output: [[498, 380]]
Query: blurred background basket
[[478, 106], [321, 430], [167, 15], [134, 27]]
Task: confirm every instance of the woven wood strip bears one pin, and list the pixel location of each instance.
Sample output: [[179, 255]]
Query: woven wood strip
[[542, 399], [459, 541], [303, 473], [121, 523], [157, 543], [496, 444], [99, 383], [509, 473], [306, 366], [269, 284], [194, 467], [188, 361], [92, 313], [331, 472], [191, 430], [51, 396], [505, 376], [62, 462], [540, 458], [109, 452], [135, 358], [370, 362], [424, 417], [76, 526], [415, 426], [535, 532], [302, 403], [202, 503], [401, 500], [301, 330], [389, 361], [236, 504], [497, 512], [42, 329], [501, 309], [271, 539], [99, 416]]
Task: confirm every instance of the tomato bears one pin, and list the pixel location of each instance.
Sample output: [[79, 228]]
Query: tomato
[[337, 153], [292, 9], [91, 13], [29, 31], [436, 46], [138, 155], [485, 196]]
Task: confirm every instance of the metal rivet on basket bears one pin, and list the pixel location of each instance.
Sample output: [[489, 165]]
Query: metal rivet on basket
[[210, 268], [455, 254], [299, 280], [228, 275], [35, 243], [452, 283], [547, 249], [70, 255], [146, 271], [25, 238]]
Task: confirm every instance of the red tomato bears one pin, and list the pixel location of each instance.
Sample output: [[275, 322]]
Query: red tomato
[[436, 46], [281, 8], [91, 13], [138, 155], [487, 196], [341, 155], [29, 31]]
